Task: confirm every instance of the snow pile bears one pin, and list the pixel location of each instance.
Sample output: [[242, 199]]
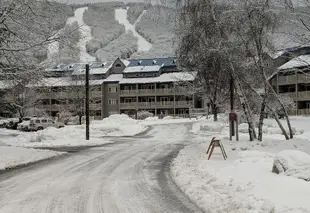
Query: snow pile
[[117, 125], [155, 118], [292, 163], [168, 117], [245, 182], [205, 126], [11, 157]]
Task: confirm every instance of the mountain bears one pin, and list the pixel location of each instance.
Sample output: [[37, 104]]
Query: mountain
[[116, 30]]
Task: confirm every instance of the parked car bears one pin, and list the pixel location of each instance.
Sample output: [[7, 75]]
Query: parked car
[[36, 124], [24, 126]]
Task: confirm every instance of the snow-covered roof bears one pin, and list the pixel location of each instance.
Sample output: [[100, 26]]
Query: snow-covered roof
[[154, 68], [165, 62], [125, 62], [300, 61], [95, 70], [63, 82], [166, 77], [114, 78]]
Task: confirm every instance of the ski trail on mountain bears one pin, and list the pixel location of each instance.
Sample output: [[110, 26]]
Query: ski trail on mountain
[[85, 31], [121, 17]]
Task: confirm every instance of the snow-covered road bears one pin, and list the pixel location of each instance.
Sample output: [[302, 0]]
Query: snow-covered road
[[131, 175]]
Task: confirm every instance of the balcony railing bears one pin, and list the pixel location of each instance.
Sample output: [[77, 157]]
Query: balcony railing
[[159, 104], [165, 91], [146, 91], [128, 92], [305, 95], [303, 78], [128, 105], [290, 79], [184, 103], [304, 112]]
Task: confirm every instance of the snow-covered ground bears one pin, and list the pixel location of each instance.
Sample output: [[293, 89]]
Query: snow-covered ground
[[11, 157], [245, 182], [121, 17], [115, 125]]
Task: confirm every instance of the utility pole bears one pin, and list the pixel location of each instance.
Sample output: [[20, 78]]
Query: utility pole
[[87, 100], [232, 104]]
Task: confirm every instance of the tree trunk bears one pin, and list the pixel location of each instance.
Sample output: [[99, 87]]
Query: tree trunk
[[276, 117], [214, 112], [247, 114], [80, 120], [261, 119], [284, 110]]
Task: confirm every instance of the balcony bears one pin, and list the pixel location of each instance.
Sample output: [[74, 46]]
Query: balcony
[[290, 79], [292, 95], [304, 95], [147, 104], [303, 78], [166, 91], [128, 92], [304, 112], [184, 104], [146, 92], [131, 105]]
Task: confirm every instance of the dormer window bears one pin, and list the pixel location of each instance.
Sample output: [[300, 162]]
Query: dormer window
[[154, 61], [140, 62]]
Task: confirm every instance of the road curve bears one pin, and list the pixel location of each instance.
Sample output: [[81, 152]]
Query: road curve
[[129, 176]]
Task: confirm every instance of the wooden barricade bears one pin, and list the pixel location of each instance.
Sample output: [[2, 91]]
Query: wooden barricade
[[216, 143]]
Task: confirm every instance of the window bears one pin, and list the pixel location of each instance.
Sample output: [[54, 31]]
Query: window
[[38, 121], [118, 65], [113, 102], [112, 89], [44, 121]]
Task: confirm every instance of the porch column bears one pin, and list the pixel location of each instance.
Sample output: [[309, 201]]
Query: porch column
[[174, 105], [155, 100], [296, 91]]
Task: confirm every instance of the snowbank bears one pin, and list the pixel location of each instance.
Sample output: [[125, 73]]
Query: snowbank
[[117, 125], [292, 163], [208, 126], [74, 135], [244, 182], [11, 157]]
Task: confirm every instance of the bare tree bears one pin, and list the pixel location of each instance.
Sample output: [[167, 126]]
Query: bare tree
[[206, 38], [26, 28], [198, 51]]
